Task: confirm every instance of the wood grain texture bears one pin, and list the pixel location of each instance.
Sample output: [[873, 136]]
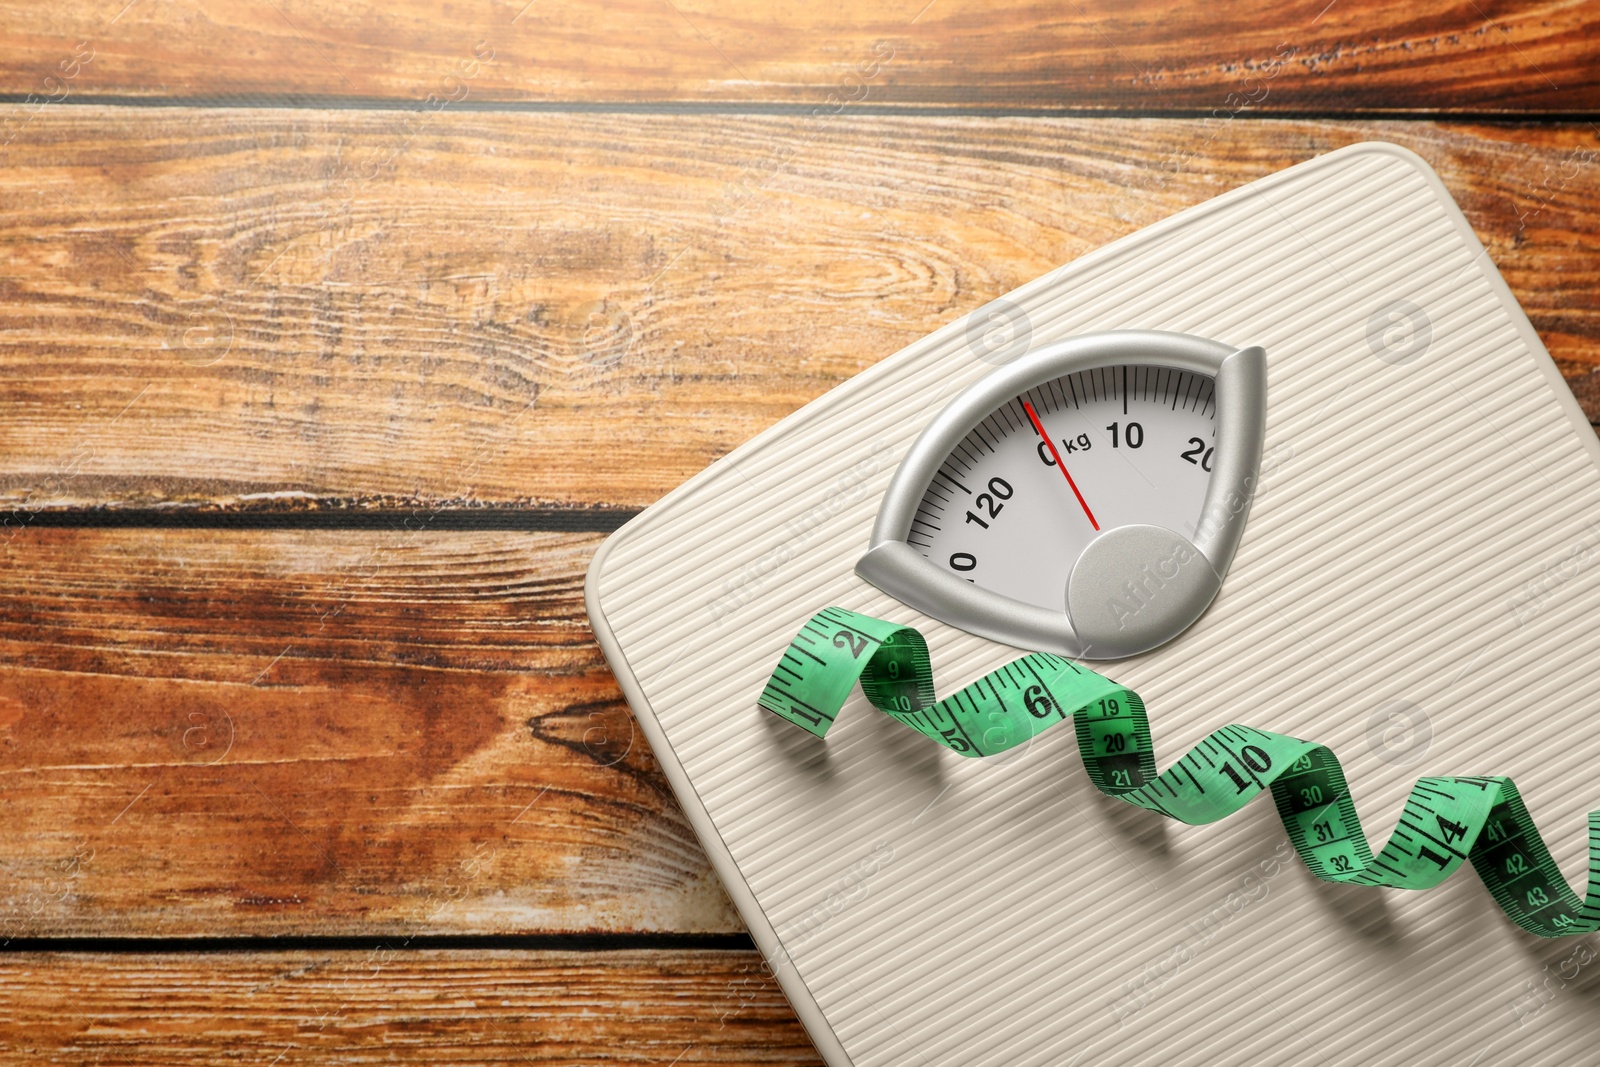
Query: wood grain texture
[[292, 308], [384, 1006], [1513, 55], [414, 303], [221, 733]]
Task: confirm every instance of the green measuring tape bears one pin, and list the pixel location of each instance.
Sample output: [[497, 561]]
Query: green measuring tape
[[1446, 821]]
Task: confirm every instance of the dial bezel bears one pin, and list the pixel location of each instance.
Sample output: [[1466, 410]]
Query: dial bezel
[[901, 571]]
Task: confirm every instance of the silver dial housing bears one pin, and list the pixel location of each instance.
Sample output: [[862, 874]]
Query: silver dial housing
[[1135, 584]]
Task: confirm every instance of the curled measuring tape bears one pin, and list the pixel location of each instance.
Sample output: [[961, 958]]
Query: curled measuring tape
[[1446, 821]]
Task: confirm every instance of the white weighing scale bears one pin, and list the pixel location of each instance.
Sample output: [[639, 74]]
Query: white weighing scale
[[1410, 581]]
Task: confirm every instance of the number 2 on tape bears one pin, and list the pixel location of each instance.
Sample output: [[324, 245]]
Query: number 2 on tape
[[1446, 821]]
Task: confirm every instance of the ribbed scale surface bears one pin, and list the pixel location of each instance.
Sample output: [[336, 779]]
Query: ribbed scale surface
[[1400, 512]]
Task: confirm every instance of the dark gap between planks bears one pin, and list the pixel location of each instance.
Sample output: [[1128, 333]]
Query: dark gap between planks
[[389, 520], [459, 942], [296, 101]]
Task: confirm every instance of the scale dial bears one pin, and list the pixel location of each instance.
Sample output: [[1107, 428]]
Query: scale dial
[[1085, 499], [1137, 445]]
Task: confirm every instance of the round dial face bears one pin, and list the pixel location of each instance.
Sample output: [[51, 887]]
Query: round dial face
[[1011, 509]]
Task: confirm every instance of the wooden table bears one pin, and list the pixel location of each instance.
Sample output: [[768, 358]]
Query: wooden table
[[335, 340]]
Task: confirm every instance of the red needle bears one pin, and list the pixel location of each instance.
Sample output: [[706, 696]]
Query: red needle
[[1051, 445]]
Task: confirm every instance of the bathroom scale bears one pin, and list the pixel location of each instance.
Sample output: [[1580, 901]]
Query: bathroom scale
[[1293, 458]]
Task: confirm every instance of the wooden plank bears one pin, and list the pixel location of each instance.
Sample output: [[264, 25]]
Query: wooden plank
[[286, 308], [1516, 56], [352, 1008], [234, 733]]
